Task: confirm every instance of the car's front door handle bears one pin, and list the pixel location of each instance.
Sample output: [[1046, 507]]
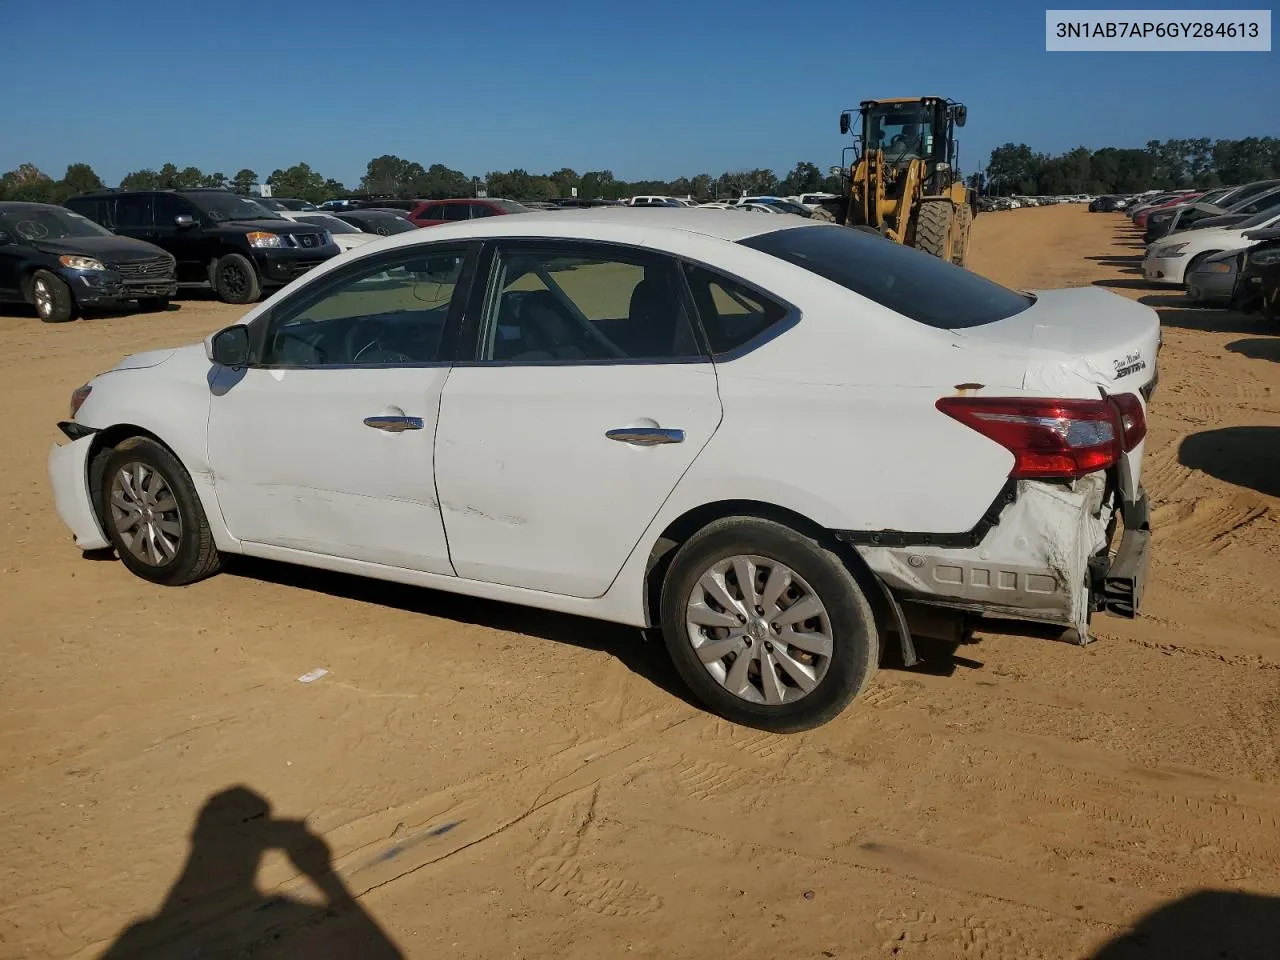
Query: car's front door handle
[[645, 436], [394, 424]]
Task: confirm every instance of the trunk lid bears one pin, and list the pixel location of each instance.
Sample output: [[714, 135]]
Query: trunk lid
[[1079, 342]]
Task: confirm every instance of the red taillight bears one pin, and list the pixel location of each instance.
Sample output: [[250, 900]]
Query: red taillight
[[1053, 438], [1133, 419]]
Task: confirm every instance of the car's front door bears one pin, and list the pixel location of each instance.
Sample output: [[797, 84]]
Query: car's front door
[[585, 398], [184, 240], [325, 443], [14, 253]]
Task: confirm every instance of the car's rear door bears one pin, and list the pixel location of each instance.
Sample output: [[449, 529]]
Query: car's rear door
[[326, 443], [558, 443]]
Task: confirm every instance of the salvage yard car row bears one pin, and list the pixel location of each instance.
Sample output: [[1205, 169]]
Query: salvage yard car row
[[1219, 245], [105, 250]]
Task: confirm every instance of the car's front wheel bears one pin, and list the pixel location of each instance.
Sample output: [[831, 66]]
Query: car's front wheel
[[235, 280], [767, 626], [52, 298], [153, 516]]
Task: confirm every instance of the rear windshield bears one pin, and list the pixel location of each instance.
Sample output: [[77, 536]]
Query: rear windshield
[[510, 206], [912, 283]]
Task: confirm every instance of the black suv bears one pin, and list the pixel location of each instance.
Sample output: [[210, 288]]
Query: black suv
[[232, 242], [64, 264]]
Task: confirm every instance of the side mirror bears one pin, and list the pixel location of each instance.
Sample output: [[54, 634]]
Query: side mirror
[[229, 347], [844, 122], [962, 113], [184, 220]]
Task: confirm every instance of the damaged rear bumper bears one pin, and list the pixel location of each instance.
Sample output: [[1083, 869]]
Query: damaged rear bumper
[[1047, 558]]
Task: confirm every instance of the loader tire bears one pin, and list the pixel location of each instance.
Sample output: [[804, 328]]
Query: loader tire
[[935, 227], [963, 230]]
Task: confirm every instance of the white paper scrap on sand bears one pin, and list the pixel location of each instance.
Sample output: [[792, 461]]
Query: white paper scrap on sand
[[312, 675]]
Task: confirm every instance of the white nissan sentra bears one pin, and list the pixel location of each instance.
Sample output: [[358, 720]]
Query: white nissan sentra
[[781, 442]]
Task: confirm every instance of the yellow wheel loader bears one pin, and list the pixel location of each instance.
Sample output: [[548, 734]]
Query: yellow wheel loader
[[903, 183]]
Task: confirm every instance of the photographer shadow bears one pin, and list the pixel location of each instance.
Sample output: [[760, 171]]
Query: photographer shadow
[[215, 909]]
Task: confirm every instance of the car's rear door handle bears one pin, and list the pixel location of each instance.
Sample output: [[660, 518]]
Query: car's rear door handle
[[394, 424], [645, 436]]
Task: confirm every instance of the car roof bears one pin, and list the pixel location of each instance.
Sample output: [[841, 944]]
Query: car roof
[[727, 225], [13, 206]]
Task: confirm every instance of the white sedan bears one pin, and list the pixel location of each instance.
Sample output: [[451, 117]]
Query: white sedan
[[1171, 258], [345, 235], [782, 442]]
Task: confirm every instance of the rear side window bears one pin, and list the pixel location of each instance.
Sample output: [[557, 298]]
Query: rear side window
[[134, 211], [456, 211], [910, 282], [433, 212], [732, 314]]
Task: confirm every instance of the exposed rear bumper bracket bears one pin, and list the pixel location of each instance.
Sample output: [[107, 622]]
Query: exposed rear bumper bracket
[[1123, 582]]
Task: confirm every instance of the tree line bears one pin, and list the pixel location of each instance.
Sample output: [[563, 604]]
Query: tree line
[[1164, 165], [1013, 169], [392, 176]]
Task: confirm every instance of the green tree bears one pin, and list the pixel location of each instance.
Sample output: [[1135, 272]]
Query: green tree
[[30, 183], [146, 179], [298, 181], [389, 175], [218, 180], [80, 178], [804, 177], [243, 181], [169, 176]]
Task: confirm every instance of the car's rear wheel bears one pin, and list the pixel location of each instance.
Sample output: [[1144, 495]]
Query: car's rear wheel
[[52, 298], [153, 516], [235, 280], [766, 626]]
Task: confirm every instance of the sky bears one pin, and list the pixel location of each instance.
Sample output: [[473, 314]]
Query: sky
[[657, 90]]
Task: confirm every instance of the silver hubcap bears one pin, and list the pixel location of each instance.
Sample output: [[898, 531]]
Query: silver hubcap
[[760, 630], [145, 513], [44, 298]]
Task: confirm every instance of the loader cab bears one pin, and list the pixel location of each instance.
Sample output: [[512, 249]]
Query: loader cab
[[909, 129]]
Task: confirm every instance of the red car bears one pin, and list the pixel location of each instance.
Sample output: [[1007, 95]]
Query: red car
[[1189, 197], [431, 212]]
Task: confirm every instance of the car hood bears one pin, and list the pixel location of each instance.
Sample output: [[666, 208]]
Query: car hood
[[274, 226], [1078, 333], [115, 249], [141, 361]]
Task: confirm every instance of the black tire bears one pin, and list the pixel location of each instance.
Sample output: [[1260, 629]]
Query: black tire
[[153, 304], [52, 297], [195, 556], [235, 280], [963, 230], [934, 223], [855, 641]]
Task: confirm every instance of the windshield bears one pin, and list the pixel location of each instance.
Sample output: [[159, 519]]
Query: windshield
[[382, 224], [1261, 219], [901, 130], [1257, 204], [229, 206], [53, 223], [270, 203], [332, 224], [914, 284]]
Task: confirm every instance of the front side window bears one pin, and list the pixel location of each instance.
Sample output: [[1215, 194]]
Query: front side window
[[434, 212], [585, 303], [386, 312], [456, 211], [168, 206]]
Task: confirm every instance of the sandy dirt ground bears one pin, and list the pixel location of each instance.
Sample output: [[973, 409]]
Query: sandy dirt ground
[[472, 780]]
